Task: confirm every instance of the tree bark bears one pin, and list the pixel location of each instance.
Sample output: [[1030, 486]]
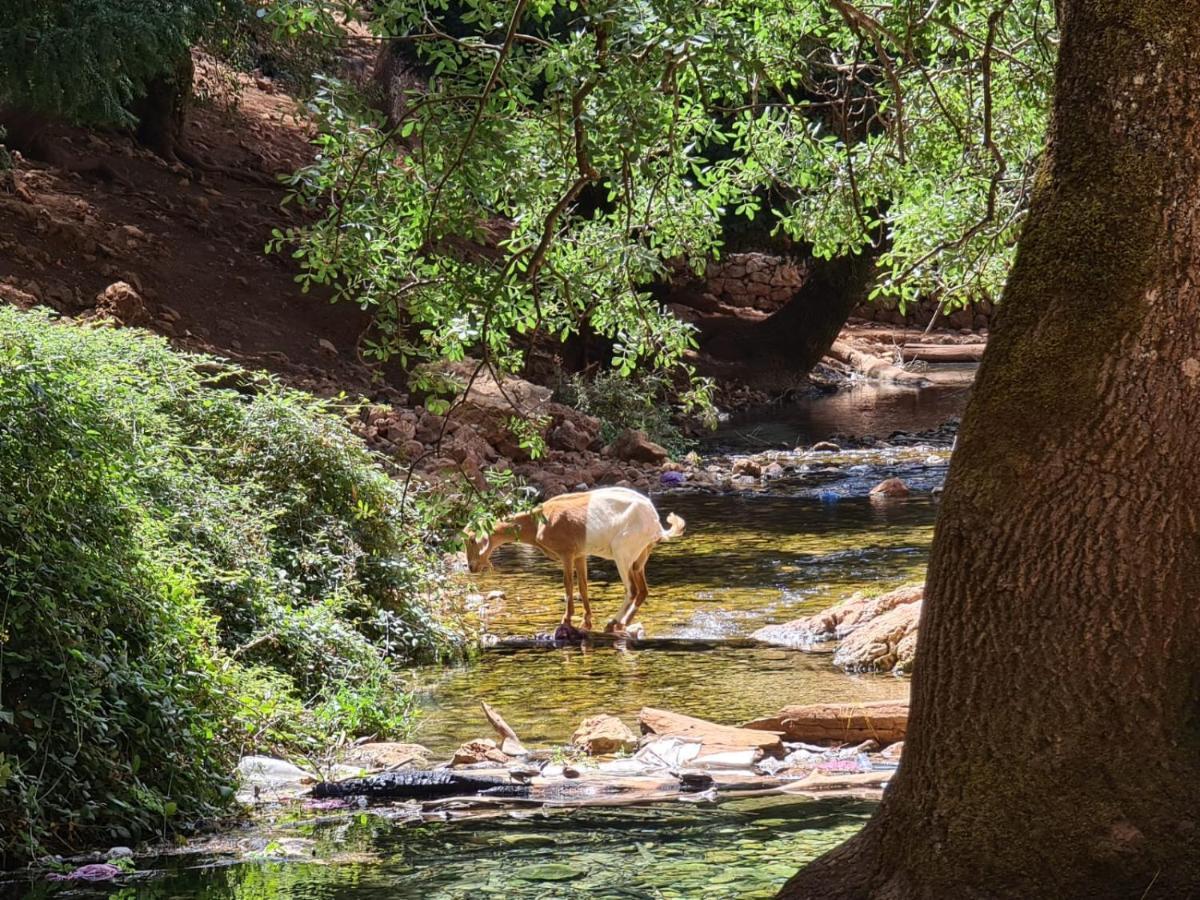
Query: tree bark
[[1054, 741]]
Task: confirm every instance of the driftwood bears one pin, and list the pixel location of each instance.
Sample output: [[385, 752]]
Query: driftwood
[[420, 785], [874, 367], [884, 721], [509, 742], [712, 738], [943, 353]]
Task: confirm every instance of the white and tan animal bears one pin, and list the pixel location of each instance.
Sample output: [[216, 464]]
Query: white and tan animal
[[611, 522]]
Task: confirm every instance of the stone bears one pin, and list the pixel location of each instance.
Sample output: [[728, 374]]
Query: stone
[[884, 721], [327, 347], [603, 734], [825, 447], [120, 301], [839, 620], [747, 466], [890, 487], [569, 435], [633, 446], [893, 751], [478, 751], [887, 643], [774, 470]]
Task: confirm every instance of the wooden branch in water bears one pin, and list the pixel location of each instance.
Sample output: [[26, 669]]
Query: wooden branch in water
[[943, 353], [874, 367]]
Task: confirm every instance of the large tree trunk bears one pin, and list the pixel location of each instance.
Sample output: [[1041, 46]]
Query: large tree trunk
[[780, 351], [1054, 743]]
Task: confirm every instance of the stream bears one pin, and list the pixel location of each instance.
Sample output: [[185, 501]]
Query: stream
[[767, 554]]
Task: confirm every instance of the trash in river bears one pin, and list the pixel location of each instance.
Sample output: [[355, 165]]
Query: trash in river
[[92, 872]]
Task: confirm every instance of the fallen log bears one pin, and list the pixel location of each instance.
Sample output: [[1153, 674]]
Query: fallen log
[[884, 721], [874, 367], [943, 353], [419, 785], [713, 738]]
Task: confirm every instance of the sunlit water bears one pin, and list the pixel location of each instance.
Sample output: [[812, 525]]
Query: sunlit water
[[744, 562], [766, 555]]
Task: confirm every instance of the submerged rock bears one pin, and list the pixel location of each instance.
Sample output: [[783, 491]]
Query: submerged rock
[[890, 487], [598, 735]]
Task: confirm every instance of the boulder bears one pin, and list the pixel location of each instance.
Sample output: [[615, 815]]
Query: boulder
[[602, 734], [478, 751], [825, 447], [891, 487], [886, 643], [839, 620], [713, 738], [633, 446], [574, 432], [121, 302], [883, 721]]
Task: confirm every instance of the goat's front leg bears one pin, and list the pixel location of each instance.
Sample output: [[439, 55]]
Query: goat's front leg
[[581, 577], [568, 592]]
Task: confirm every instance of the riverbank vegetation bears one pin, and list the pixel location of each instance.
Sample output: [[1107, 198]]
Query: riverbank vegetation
[[194, 562]]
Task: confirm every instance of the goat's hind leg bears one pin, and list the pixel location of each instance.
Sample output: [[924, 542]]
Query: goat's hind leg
[[568, 593], [581, 578], [637, 574]]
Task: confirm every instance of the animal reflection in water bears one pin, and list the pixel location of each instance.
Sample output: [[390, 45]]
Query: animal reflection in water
[[612, 522]]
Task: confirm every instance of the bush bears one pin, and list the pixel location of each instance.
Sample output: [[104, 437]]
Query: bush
[[619, 402], [187, 572]]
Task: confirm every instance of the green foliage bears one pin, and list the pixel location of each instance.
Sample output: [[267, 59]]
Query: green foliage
[[560, 157], [88, 60], [638, 401], [187, 571]]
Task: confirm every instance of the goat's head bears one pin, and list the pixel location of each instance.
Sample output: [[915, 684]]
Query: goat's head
[[479, 551]]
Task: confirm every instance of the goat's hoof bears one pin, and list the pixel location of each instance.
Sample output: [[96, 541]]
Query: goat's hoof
[[613, 627]]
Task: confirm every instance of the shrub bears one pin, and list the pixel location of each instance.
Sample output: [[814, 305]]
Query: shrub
[[637, 401], [187, 571]]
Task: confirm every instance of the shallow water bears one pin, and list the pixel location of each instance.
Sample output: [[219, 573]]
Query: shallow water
[[865, 409], [744, 562], [741, 848]]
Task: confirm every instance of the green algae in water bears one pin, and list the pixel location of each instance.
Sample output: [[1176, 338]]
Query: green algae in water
[[366, 856]]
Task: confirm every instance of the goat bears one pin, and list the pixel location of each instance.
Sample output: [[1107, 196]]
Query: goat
[[611, 522]]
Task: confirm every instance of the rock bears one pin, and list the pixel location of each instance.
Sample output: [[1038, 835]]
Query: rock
[[713, 738], [478, 751], [326, 346], [886, 643], [120, 301], [633, 445], [602, 734], [118, 853], [893, 751], [377, 756], [891, 487], [825, 447], [839, 620], [746, 466], [774, 470], [569, 434], [884, 721]]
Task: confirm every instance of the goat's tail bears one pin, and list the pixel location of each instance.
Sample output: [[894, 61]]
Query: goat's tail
[[677, 525]]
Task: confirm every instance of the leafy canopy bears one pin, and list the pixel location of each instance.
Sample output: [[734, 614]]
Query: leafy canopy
[[544, 163]]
